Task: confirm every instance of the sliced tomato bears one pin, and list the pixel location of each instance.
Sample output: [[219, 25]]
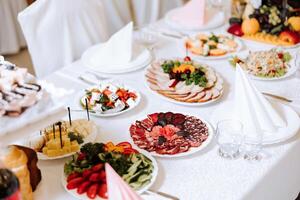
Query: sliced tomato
[[107, 92]]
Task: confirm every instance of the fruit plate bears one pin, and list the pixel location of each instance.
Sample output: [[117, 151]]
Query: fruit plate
[[91, 138], [261, 43], [192, 150], [153, 68], [140, 58], [140, 191], [181, 46], [291, 70], [81, 96]]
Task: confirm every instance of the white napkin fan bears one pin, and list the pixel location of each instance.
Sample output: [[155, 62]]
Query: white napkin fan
[[118, 54], [256, 113], [117, 189], [118, 49], [274, 120]]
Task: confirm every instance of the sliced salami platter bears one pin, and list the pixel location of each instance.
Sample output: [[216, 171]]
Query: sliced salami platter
[[171, 134]]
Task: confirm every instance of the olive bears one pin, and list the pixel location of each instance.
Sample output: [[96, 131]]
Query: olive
[[182, 133], [161, 140], [162, 122]]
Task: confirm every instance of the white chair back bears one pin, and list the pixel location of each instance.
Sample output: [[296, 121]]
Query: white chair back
[[11, 37], [58, 32], [141, 12]]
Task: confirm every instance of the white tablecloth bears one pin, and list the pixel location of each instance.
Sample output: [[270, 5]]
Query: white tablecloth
[[11, 37], [203, 175]]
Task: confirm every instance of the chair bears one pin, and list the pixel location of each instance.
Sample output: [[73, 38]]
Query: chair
[[58, 32], [11, 37], [139, 11]]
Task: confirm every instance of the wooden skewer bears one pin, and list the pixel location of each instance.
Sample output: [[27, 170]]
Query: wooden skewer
[[87, 109], [70, 119], [53, 129], [60, 136]]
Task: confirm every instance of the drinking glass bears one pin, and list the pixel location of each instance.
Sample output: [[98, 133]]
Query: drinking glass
[[229, 138], [252, 146], [146, 39]]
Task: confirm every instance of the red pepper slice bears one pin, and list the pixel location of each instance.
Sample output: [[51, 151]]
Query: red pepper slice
[[174, 84], [125, 145]]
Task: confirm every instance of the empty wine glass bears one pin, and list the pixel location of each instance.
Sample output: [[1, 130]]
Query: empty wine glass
[[229, 138], [146, 39]]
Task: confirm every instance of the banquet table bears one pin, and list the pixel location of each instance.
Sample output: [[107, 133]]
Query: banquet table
[[203, 175]]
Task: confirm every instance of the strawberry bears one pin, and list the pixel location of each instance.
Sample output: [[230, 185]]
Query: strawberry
[[92, 191], [74, 183], [83, 187]]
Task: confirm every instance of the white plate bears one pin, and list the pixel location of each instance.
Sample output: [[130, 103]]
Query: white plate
[[180, 102], [216, 20], [140, 191], [90, 138], [291, 70], [200, 57], [290, 116], [98, 114], [192, 150], [141, 57]]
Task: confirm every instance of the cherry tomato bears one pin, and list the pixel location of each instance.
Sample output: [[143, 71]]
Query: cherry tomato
[[93, 191], [72, 176], [103, 191], [83, 187], [74, 183], [97, 167]]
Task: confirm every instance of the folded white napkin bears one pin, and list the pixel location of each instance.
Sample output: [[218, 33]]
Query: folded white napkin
[[256, 113], [192, 13], [117, 189], [118, 49]]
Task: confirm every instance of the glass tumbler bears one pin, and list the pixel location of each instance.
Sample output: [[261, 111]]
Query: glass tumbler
[[229, 138], [252, 146]]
